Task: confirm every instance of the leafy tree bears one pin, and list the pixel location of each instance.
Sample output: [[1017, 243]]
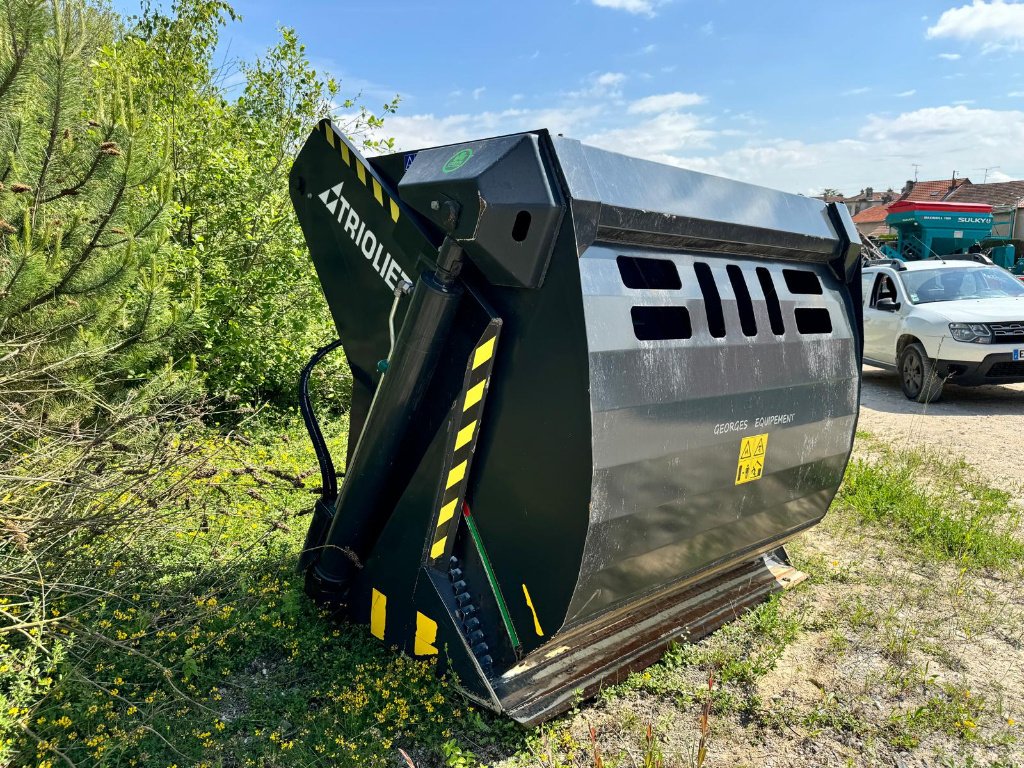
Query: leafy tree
[[263, 311]]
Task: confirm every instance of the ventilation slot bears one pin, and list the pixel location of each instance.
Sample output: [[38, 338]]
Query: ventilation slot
[[661, 323], [771, 298], [652, 274], [521, 226], [743, 302], [802, 281], [813, 320], [712, 301]]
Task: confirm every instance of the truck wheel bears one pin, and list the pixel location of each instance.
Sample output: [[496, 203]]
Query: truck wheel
[[917, 375]]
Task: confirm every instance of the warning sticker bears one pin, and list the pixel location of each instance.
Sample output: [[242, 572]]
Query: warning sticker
[[751, 463]]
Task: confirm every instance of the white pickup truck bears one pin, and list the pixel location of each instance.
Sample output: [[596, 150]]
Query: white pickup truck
[[936, 321]]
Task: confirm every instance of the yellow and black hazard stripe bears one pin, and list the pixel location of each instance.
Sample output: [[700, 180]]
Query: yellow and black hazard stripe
[[462, 442], [354, 160]]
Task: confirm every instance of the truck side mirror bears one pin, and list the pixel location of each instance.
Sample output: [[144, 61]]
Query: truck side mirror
[[887, 305]]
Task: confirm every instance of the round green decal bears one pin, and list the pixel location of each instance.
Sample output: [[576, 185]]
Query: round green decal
[[457, 160]]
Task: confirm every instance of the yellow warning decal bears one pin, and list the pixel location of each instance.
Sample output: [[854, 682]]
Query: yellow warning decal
[[465, 435], [474, 395], [750, 466], [378, 613], [458, 472], [483, 353], [426, 636], [463, 440], [363, 171], [437, 549], [536, 621]]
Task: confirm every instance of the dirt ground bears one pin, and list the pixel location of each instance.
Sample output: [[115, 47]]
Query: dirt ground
[[983, 425]]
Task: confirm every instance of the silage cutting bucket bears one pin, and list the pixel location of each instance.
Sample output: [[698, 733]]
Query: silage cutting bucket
[[614, 391]]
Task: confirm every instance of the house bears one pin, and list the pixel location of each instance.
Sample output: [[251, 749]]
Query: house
[[1007, 201], [867, 198], [870, 222]]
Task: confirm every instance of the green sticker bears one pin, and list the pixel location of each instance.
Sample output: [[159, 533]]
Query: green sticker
[[457, 160]]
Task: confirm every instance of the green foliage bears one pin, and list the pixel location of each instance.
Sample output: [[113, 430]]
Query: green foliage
[[193, 643], [84, 213], [938, 505], [263, 311]]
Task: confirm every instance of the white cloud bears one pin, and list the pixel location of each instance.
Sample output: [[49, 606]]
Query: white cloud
[[429, 130], [708, 29], [657, 138], [879, 153], [478, 92], [640, 7], [995, 24], [665, 101], [604, 85], [905, 94], [1015, 94], [950, 56], [856, 91]]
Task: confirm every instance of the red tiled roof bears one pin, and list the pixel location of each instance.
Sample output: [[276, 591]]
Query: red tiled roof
[[872, 214], [931, 191], [1000, 195]]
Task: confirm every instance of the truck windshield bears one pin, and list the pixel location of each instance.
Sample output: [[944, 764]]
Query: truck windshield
[[926, 286]]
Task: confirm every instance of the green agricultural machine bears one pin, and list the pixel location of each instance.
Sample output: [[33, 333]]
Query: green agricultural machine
[[592, 397]]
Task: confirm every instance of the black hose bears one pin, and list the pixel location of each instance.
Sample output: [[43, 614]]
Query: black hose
[[329, 481]]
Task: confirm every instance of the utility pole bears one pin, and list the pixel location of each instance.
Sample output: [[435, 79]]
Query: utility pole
[[916, 166]]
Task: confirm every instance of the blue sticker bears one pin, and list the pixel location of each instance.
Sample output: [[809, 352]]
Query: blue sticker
[[1016, 354], [408, 159]]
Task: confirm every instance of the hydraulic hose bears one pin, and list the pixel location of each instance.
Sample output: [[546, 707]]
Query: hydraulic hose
[[329, 481], [323, 509]]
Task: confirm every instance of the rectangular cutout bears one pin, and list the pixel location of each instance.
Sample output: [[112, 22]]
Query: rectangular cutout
[[813, 320], [661, 323], [802, 281], [712, 300], [743, 303], [650, 274], [771, 298]]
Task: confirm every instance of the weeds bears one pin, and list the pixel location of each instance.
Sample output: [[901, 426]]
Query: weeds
[[936, 504]]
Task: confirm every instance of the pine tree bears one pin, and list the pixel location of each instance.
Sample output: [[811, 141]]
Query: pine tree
[[85, 205]]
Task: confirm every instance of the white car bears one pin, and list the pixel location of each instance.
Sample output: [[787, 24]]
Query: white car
[[936, 321]]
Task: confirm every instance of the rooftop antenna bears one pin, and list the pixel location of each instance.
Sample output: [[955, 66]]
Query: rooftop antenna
[[916, 166], [986, 170]]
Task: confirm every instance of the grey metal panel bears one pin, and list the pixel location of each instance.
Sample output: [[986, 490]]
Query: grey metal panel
[[664, 500], [613, 179]]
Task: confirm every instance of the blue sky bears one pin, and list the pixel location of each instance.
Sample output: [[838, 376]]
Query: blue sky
[[799, 95]]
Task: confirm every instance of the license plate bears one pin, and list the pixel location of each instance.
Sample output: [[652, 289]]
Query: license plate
[[1018, 354]]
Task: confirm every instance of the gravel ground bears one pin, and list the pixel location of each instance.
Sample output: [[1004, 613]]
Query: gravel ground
[[984, 425]]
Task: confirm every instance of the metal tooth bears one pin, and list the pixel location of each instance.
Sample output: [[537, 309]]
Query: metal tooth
[[486, 661], [472, 624], [459, 586], [475, 637], [453, 562], [455, 574], [480, 650], [465, 612], [462, 600]]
